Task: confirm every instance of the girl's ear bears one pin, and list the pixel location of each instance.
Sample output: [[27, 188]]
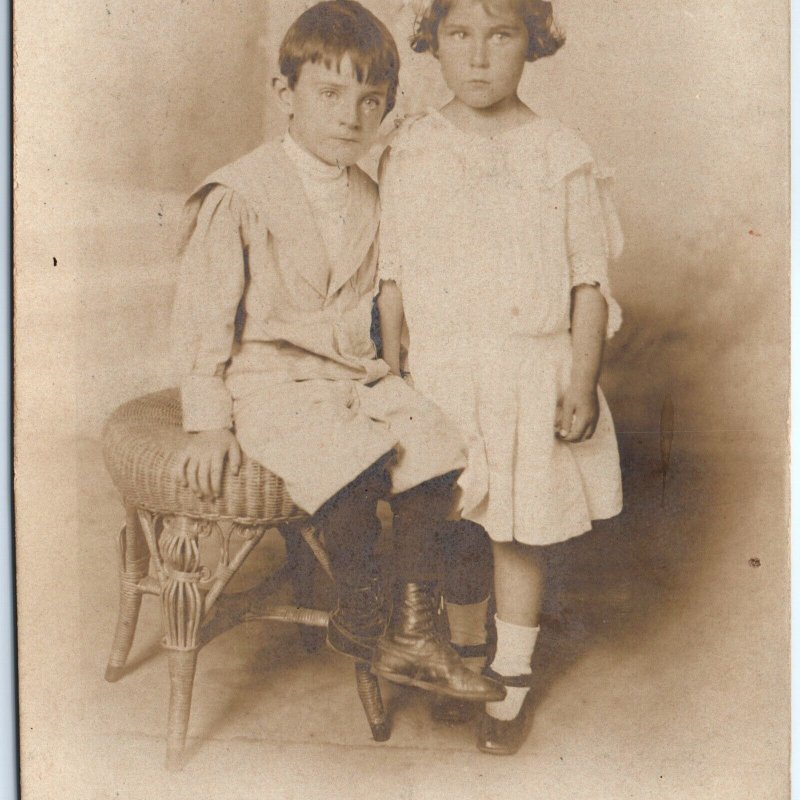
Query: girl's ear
[[285, 94]]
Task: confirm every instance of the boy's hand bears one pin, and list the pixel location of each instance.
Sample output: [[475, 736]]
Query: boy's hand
[[201, 462], [577, 413]]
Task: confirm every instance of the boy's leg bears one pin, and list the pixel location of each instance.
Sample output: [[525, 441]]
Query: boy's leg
[[413, 650], [310, 433], [431, 454], [465, 564], [466, 568], [350, 528]]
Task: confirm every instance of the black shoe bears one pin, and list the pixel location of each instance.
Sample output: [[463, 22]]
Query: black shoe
[[500, 737], [358, 620], [503, 737], [413, 653]]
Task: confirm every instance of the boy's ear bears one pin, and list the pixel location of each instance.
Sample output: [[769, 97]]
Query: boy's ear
[[285, 95]]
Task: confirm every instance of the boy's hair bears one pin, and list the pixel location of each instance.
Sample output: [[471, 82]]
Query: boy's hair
[[328, 31], [544, 38]]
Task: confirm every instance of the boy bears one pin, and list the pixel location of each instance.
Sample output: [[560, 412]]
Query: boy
[[273, 315]]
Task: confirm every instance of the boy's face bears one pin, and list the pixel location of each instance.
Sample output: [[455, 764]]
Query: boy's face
[[333, 115]]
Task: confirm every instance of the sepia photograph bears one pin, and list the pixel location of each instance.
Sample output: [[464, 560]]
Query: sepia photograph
[[401, 399]]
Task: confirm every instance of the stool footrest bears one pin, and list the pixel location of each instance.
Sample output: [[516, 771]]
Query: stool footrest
[[300, 616]]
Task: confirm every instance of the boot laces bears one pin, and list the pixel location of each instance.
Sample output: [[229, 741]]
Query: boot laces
[[418, 608]]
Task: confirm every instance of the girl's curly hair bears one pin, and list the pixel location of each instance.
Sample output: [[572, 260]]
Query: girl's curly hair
[[544, 38]]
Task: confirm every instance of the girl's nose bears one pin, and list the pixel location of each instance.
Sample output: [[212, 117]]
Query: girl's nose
[[479, 57]]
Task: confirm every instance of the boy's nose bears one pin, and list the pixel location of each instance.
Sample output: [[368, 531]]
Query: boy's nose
[[349, 116]]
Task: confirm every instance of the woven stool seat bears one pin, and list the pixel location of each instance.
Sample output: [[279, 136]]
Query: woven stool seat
[[141, 443]]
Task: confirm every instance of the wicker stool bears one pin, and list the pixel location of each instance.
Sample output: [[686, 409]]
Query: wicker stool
[[160, 555]]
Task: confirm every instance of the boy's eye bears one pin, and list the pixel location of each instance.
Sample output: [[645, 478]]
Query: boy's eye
[[372, 103], [328, 94], [459, 35], [501, 36]]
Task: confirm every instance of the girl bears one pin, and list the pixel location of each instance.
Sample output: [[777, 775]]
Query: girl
[[495, 235]]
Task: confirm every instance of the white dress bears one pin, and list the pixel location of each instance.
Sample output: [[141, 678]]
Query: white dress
[[486, 238]]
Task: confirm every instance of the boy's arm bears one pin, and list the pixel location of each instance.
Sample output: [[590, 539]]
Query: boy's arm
[[211, 290], [208, 298], [390, 310], [202, 461]]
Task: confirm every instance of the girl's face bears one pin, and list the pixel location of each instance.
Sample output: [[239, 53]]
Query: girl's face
[[482, 53]]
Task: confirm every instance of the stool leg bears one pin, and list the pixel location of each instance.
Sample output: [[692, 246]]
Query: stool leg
[[134, 563], [182, 664], [369, 692], [181, 614]]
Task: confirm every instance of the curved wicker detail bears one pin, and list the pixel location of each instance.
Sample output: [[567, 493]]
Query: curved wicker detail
[[141, 443]]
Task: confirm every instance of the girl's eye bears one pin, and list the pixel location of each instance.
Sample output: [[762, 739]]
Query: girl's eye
[[329, 94], [371, 103], [501, 36], [458, 35]]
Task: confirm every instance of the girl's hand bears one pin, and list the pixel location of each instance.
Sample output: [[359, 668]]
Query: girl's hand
[[577, 413], [201, 462]]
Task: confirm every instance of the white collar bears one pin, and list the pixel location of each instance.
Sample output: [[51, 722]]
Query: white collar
[[308, 164]]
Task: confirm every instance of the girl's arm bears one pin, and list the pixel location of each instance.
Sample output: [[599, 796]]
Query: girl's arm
[[588, 251], [390, 310], [578, 411]]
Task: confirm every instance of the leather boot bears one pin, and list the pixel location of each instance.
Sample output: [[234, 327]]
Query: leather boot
[[450, 710], [359, 619], [413, 653]]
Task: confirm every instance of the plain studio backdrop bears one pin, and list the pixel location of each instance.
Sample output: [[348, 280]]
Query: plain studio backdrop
[[121, 107]]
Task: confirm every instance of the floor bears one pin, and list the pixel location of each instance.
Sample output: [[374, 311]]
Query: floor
[[662, 671]]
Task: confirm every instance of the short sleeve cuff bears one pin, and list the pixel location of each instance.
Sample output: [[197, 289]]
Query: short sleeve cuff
[[585, 273], [206, 404], [389, 269]]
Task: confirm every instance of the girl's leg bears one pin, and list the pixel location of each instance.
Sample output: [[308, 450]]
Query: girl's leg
[[519, 579]]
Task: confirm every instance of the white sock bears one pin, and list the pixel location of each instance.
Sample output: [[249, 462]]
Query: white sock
[[515, 645], [468, 627]]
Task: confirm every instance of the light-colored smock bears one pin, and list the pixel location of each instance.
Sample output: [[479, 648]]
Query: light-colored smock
[[272, 328], [486, 238]]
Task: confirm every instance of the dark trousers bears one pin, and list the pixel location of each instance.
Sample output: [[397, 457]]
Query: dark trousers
[[426, 546]]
